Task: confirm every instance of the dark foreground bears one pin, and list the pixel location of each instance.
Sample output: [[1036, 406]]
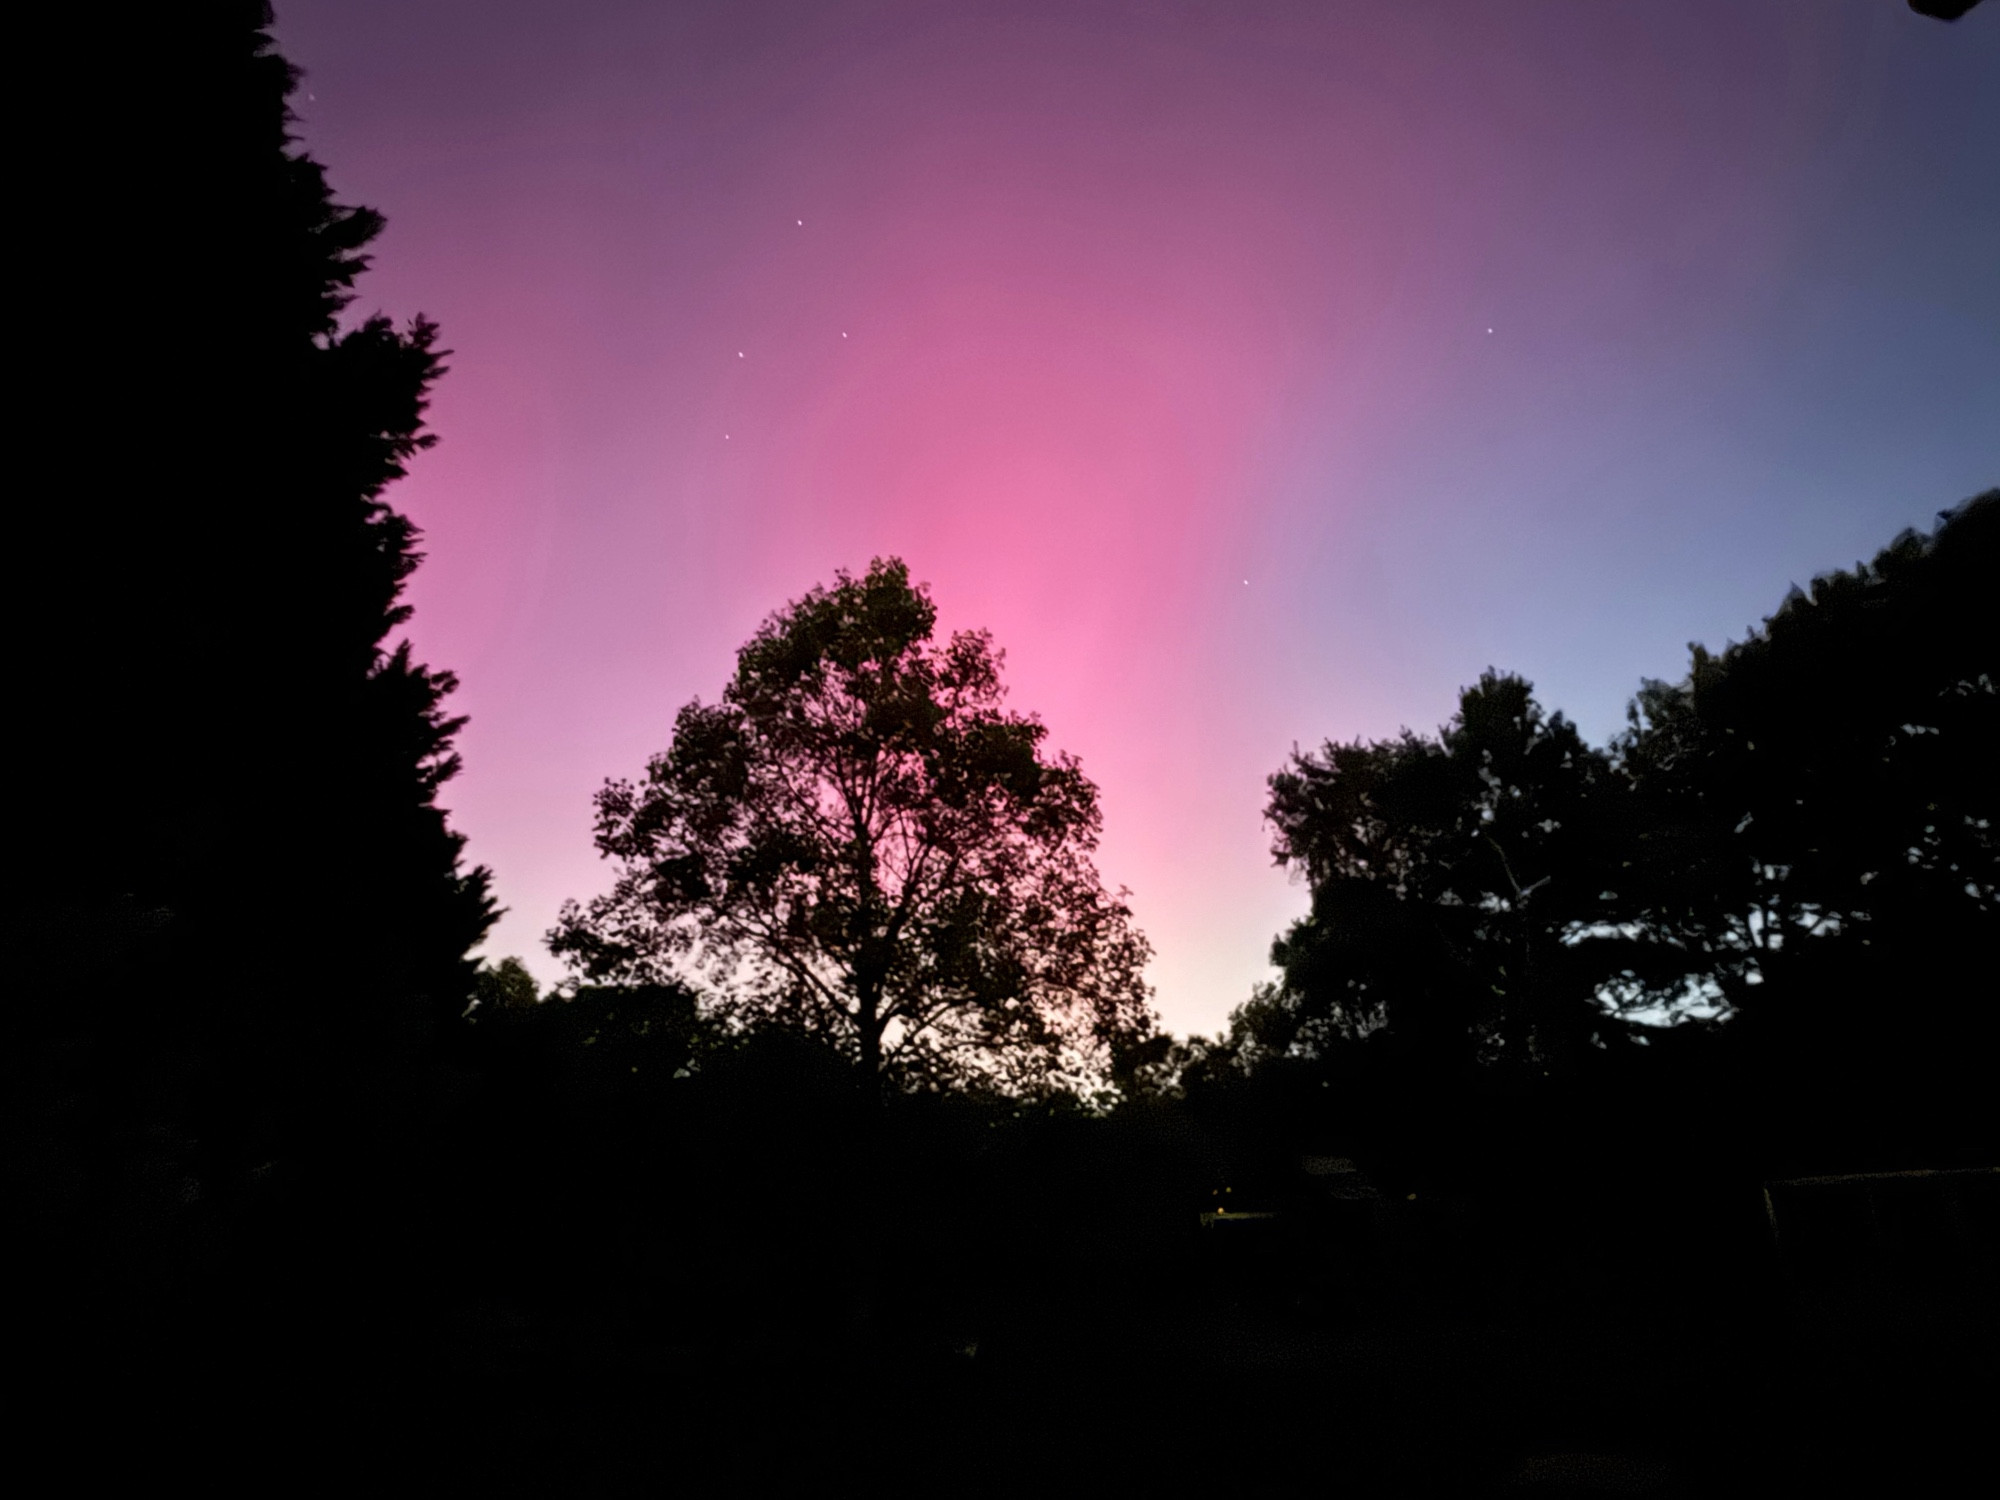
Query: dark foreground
[[1264, 1399]]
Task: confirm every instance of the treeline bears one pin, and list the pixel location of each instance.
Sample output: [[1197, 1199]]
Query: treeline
[[1596, 997], [1567, 1007], [1787, 865]]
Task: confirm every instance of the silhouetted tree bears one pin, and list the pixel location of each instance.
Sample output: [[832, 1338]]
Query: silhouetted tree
[[1793, 851], [505, 985], [857, 842], [243, 916], [1820, 848], [1457, 883]]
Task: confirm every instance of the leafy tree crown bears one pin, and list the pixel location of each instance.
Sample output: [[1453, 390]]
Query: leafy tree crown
[[860, 842]]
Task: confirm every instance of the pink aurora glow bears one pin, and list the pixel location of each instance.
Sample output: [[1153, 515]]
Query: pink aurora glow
[[1154, 337]]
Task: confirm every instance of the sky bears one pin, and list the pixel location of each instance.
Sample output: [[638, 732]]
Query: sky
[[1257, 373]]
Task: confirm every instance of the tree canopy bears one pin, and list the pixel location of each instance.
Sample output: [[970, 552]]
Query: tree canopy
[[1455, 881], [1792, 848], [860, 843], [1820, 848]]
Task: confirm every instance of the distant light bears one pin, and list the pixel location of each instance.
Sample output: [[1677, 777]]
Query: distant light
[[739, 353], [1489, 330], [802, 223]]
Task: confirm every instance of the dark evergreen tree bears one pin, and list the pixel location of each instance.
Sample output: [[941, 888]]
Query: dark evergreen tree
[[241, 918]]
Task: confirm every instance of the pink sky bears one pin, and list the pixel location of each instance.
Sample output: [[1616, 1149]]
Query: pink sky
[[1156, 338]]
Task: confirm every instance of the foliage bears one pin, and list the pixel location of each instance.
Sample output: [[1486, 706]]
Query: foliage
[[1836, 765], [613, 1046], [1821, 850], [504, 985], [245, 917], [1457, 883], [1793, 848], [859, 843]]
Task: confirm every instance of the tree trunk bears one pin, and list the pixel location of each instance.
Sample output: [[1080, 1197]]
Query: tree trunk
[[870, 1026]]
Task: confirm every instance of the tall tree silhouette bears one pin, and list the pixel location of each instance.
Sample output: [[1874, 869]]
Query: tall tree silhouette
[[242, 914], [1821, 846], [859, 843]]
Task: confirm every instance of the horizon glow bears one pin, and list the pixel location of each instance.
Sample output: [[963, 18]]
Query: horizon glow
[[1257, 374]]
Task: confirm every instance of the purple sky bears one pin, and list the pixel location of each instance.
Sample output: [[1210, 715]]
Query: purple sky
[[1258, 373]]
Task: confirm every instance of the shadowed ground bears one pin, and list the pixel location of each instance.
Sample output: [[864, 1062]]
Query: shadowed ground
[[1203, 1394]]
